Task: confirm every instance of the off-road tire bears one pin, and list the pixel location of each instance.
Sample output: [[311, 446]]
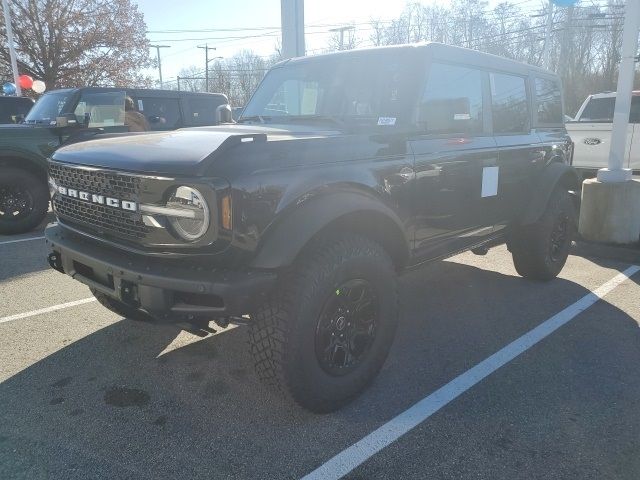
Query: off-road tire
[[120, 308], [39, 192], [283, 331], [532, 247]]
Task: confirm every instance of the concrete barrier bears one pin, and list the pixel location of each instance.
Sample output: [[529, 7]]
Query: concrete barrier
[[610, 212]]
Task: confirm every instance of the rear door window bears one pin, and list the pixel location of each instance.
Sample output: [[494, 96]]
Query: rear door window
[[548, 101], [509, 104], [161, 113], [452, 100]]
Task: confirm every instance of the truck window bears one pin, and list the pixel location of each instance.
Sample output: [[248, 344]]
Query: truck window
[[509, 104], [201, 111], [101, 109], [548, 101], [161, 113], [452, 100], [356, 91], [601, 110], [47, 108]]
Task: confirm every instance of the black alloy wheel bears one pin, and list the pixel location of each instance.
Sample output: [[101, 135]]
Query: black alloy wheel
[[347, 327], [24, 200], [16, 202]]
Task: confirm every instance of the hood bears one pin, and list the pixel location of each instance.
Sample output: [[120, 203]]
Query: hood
[[185, 152]]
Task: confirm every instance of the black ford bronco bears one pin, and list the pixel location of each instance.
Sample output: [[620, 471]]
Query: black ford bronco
[[345, 170], [71, 115]]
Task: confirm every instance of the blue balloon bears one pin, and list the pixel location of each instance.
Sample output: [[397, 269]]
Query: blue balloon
[[9, 88], [564, 3]]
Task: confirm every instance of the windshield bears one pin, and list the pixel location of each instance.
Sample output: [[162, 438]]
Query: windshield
[[48, 108], [366, 91], [601, 110]]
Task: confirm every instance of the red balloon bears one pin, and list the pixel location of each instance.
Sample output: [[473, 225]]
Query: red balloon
[[25, 81]]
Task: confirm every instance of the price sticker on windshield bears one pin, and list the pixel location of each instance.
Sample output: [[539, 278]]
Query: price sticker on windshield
[[387, 121]]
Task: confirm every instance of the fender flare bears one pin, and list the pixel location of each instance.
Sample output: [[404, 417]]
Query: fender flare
[[286, 237], [553, 175], [24, 160]]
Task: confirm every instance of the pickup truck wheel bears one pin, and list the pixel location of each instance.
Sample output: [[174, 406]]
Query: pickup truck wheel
[[24, 201], [119, 308], [323, 337], [540, 250]]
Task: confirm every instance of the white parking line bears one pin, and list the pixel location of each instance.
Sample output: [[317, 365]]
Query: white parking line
[[32, 313], [347, 460], [6, 242]]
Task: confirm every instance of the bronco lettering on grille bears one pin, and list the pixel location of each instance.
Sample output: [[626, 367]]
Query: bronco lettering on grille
[[99, 199]]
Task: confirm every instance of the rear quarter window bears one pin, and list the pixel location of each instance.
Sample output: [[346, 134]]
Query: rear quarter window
[[548, 101]]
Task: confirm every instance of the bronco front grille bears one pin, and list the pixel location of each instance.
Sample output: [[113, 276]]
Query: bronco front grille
[[94, 217]]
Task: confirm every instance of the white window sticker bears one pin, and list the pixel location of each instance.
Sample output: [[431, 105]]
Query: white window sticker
[[140, 106], [462, 116], [490, 181], [386, 120]]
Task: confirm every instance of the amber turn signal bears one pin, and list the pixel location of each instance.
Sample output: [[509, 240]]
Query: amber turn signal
[[225, 212]]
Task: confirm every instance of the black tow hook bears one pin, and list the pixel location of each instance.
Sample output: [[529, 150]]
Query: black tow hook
[[55, 261]]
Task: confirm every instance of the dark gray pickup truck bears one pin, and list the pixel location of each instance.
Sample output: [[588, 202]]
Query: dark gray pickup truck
[[344, 171], [73, 115]]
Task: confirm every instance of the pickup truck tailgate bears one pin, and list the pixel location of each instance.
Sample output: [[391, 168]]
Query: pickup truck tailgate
[[593, 141]]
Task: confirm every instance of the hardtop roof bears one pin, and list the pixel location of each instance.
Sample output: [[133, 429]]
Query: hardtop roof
[[141, 92], [439, 50]]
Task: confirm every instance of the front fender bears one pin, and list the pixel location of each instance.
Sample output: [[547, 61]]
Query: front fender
[[548, 180], [287, 237]]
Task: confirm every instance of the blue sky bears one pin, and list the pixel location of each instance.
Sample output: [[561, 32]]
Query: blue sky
[[259, 15]]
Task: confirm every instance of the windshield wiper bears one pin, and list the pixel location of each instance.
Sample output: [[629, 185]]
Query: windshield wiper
[[253, 118]]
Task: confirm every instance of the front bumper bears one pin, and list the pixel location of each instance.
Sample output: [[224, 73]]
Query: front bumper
[[164, 288]]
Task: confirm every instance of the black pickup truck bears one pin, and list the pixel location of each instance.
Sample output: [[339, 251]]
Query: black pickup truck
[[345, 170]]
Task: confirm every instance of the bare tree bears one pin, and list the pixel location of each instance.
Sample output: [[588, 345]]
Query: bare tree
[[585, 42], [68, 43], [192, 79]]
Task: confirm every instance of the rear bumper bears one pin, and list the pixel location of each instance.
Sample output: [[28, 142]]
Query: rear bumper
[[167, 290]]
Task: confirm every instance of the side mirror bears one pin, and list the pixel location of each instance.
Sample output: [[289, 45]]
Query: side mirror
[[223, 114]]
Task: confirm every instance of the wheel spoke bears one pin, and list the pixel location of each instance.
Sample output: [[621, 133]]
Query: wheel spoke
[[346, 327]]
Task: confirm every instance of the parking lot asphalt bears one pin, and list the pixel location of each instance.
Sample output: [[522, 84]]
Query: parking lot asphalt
[[86, 394]]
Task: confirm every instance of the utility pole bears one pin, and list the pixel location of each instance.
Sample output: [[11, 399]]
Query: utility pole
[[206, 64], [547, 37], [566, 46], [292, 27], [616, 171], [342, 30], [178, 78], [158, 47], [12, 51]]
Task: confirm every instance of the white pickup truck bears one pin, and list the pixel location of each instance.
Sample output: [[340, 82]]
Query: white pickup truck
[[591, 133]]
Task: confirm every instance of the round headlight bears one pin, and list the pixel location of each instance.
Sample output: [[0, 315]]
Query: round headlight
[[190, 220]]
